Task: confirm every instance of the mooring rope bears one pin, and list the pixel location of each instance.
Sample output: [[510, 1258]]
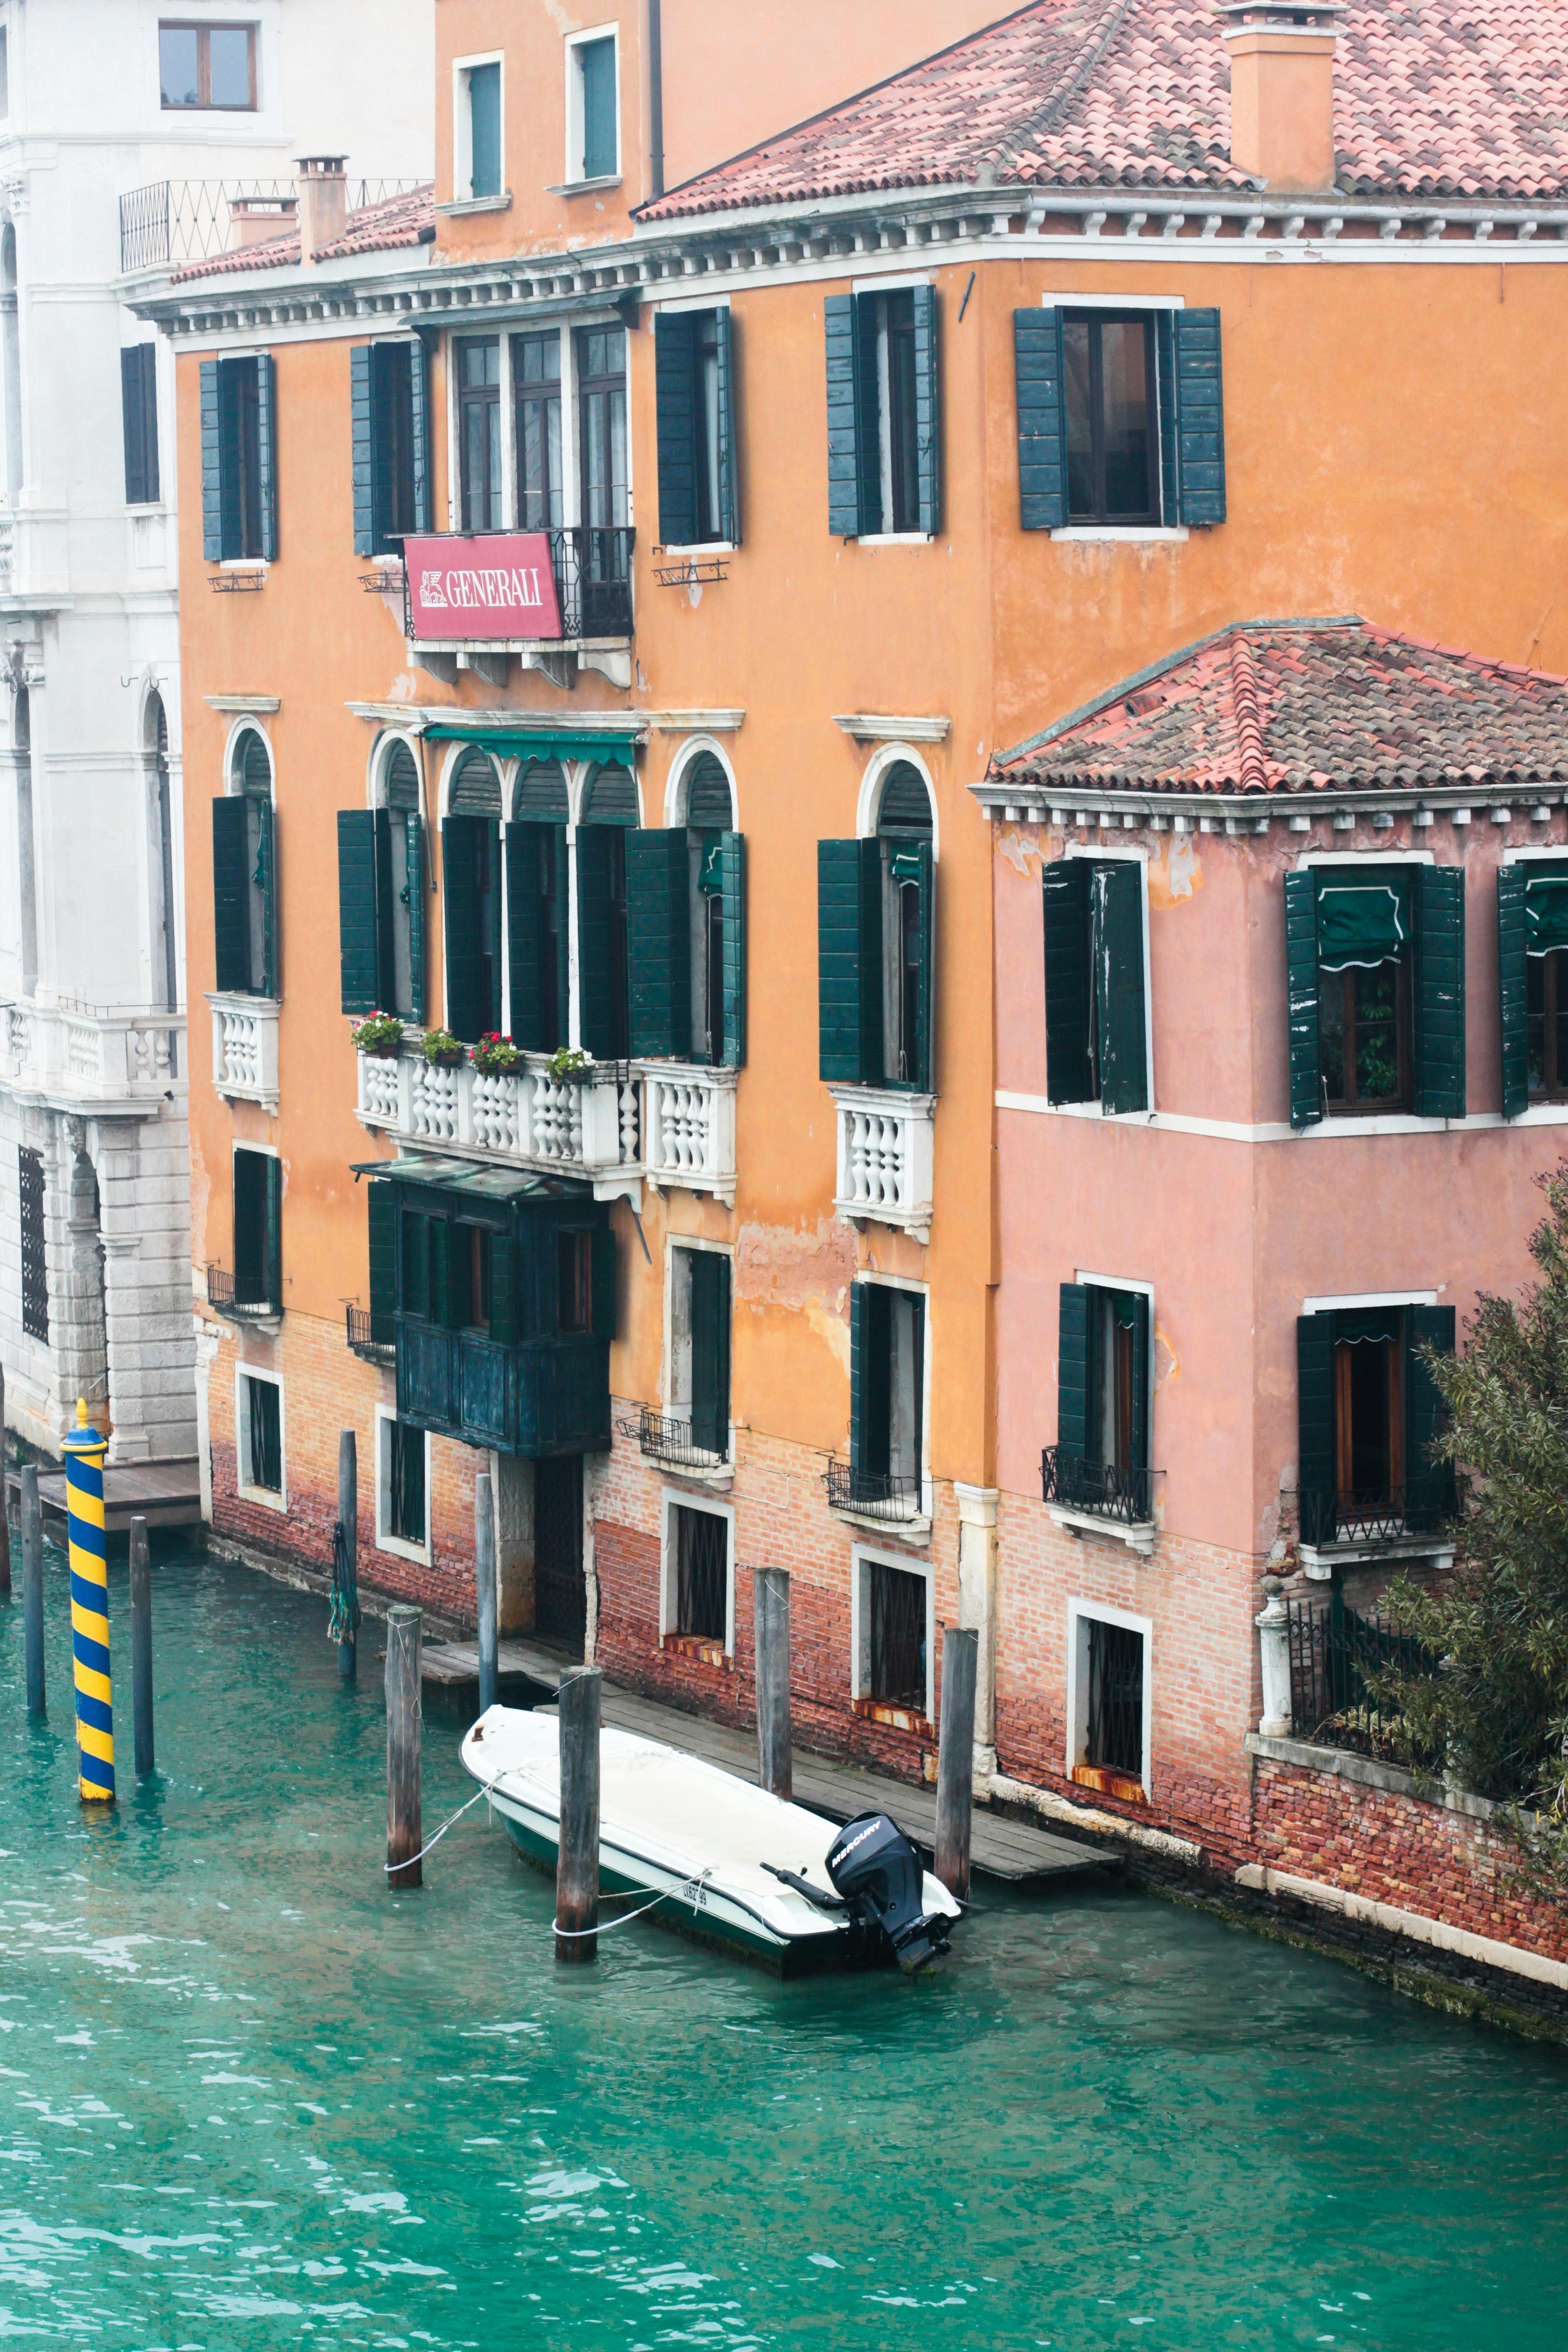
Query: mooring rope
[[409, 1860], [344, 1615], [663, 1896]]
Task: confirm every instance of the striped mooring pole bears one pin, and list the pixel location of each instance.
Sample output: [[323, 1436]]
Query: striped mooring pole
[[84, 1451]]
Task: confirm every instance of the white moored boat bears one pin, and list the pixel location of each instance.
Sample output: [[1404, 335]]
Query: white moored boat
[[715, 1847]]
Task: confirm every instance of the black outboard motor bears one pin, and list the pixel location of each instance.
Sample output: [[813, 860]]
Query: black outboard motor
[[881, 1876]]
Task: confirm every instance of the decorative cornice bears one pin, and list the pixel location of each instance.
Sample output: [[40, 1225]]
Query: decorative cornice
[[416, 716], [695, 722], [240, 704], [867, 727]]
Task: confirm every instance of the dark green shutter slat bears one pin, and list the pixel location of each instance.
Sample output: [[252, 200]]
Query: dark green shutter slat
[[1430, 1495], [658, 941], [212, 466], [231, 895], [1315, 1468], [524, 918], [414, 898], [1440, 991], [1070, 1074], [1165, 395], [1042, 421], [419, 385], [1511, 881], [729, 471], [928, 410], [1301, 997], [357, 923], [1140, 1415], [732, 892], [870, 1391], [137, 410], [1200, 417], [381, 1209], [267, 451], [1072, 1369], [709, 1350], [362, 436], [846, 459], [602, 1279], [274, 1234], [503, 1290], [462, 925], [1118, 896], [264, 874], [675, 429], [595, 961], [414, 1272], [849, 961], [924, 1070]]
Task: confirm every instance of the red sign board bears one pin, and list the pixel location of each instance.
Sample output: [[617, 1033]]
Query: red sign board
[[499, 585]]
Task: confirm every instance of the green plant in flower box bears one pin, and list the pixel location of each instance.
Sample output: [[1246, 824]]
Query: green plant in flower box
[[496, 1056], [444, 1050], [379, 1033]]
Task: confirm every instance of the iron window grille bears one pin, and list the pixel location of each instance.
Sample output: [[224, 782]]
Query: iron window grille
[[265, 1433], [702, 1575], [873, 1494], [1373, 1513], [663, 1437], [897, 1637], [1114, 1732], [35, 1264], [405, 1481], [593, 572], [1075, 1482]]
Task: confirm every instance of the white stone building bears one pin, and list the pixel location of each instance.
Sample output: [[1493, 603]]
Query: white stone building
[[132, 138]]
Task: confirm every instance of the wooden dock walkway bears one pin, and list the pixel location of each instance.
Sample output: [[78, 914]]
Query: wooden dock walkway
[[1001, 1848], [164, 1493]]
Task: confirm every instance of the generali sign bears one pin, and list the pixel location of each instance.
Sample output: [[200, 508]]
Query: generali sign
[[499, 585]]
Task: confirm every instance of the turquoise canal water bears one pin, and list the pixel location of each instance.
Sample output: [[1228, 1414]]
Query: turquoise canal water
[[248, 2098]]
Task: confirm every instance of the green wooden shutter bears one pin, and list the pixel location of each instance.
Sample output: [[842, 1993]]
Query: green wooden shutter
[[849, 961], [524, 931], [602, 1282], [414, 1272], [871, 1393], [1072, 1369], [658, 941], [732, 891], [1429, 1484], [357, 914], [381, 1210], [1301, 997], [561, 859], [275, 1234], [139, 421], [231, 895], [1439, 991], [1117, 893], [462, 925], [414, 899], [503, 1290], [710, 1276], [419, 435], [267, 451], [1510, 880], [362, 442], [848, 461], [729, 471], [1042, 422], [1138, 1302], [212, 466], [928, 411], [1200, 418], [596, 974], [676, 426], [1069, 1073], [925, 1001], [264, 875], [1315, 1468], [1166, 398]]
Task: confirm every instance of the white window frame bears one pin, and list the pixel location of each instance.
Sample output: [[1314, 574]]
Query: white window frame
[[671, 1501], [576, 126], [863, 1558], [874, 776], [247, 1492], [1081, 1614], [463, 127], [921, 1290], [386, 1417]]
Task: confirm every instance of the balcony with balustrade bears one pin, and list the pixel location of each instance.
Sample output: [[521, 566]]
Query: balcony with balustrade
[[83, 1060], [245, 1048], [689, 1127], [887, 1142], [587, 1125]]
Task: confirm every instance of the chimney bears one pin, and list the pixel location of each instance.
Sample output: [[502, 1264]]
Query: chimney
[[323, 202], [1282, 90], [256, 220]]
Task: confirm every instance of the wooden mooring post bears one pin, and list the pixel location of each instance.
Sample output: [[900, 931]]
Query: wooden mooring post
[[32, 1524], [577, 1854], [141, 1650], [775, 1755], [485, 1581], [404, 1835], [5, 1522], [955, 1758], [348, 1570]]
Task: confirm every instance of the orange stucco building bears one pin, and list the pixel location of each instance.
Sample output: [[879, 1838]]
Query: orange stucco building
[[846, 467]]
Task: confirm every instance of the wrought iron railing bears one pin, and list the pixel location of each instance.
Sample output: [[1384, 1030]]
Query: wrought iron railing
[[662, 1437], [221, 1297], [874, 1494], [1336, 1656], [374, 1351], [1076, 1483], [592, 570], [167, 223], [1375, 1514]]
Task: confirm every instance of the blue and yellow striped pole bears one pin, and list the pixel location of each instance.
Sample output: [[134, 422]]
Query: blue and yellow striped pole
[[84, 1451]]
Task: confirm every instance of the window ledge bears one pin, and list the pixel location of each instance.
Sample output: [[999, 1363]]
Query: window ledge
[[718, 1480], [699, 548], [583, 187], [702, 1652], [896, 538], [267, 1497], [911, 1531], [1106, 533], [1139, 1537], [1319, 1560], [460, 207], [895, 1719], [400, 1549]]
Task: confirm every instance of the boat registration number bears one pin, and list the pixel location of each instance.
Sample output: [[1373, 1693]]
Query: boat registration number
[[695, 1892]]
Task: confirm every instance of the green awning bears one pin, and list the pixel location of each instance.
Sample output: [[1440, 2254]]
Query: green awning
[[1546, 913], [1361, 920], [471, 1183], [539, 743], [710, 874], [1359, 1325]]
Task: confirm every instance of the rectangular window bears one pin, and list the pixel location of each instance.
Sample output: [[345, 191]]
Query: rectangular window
[[575, 1281], [1364, 989], [1370, 1411], [138, 413], [1120, 418], [470, 1278], [887, 1402], [34, 1265], [885, 325], [897, 1663], [1112, 451], [1096, 1022], [484, 139], [207, 66], [1099, 1462], [257, 1194], [876, 906], [261, 1435], [594, 152], [1374, 954], [478, 430], [239, 457], [701, 1541], [694, 406], [536, 395], [392, 491], [1113, 1719], [602, 426], [400, 1499], [699, 1391]]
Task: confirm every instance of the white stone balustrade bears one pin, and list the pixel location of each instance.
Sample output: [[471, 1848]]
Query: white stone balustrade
[[886, 1152], [79, 1058], [245, 1048], [689, 1137], [585, 1128]]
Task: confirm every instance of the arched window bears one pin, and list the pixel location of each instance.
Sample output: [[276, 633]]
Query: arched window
[[471, 866], [903, 807], [710, 804], [400, 986], [27, 869], [161, 843], [245, 893], [475, 787], [904, 829], [609, 813]]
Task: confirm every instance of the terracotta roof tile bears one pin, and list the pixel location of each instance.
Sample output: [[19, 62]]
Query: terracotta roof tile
[[1469, 101], [1267, 705], [374, 228]]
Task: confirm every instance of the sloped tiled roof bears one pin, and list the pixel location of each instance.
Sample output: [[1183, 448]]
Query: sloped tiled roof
[[373, 228], [1306, 705], [1463, 101]]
